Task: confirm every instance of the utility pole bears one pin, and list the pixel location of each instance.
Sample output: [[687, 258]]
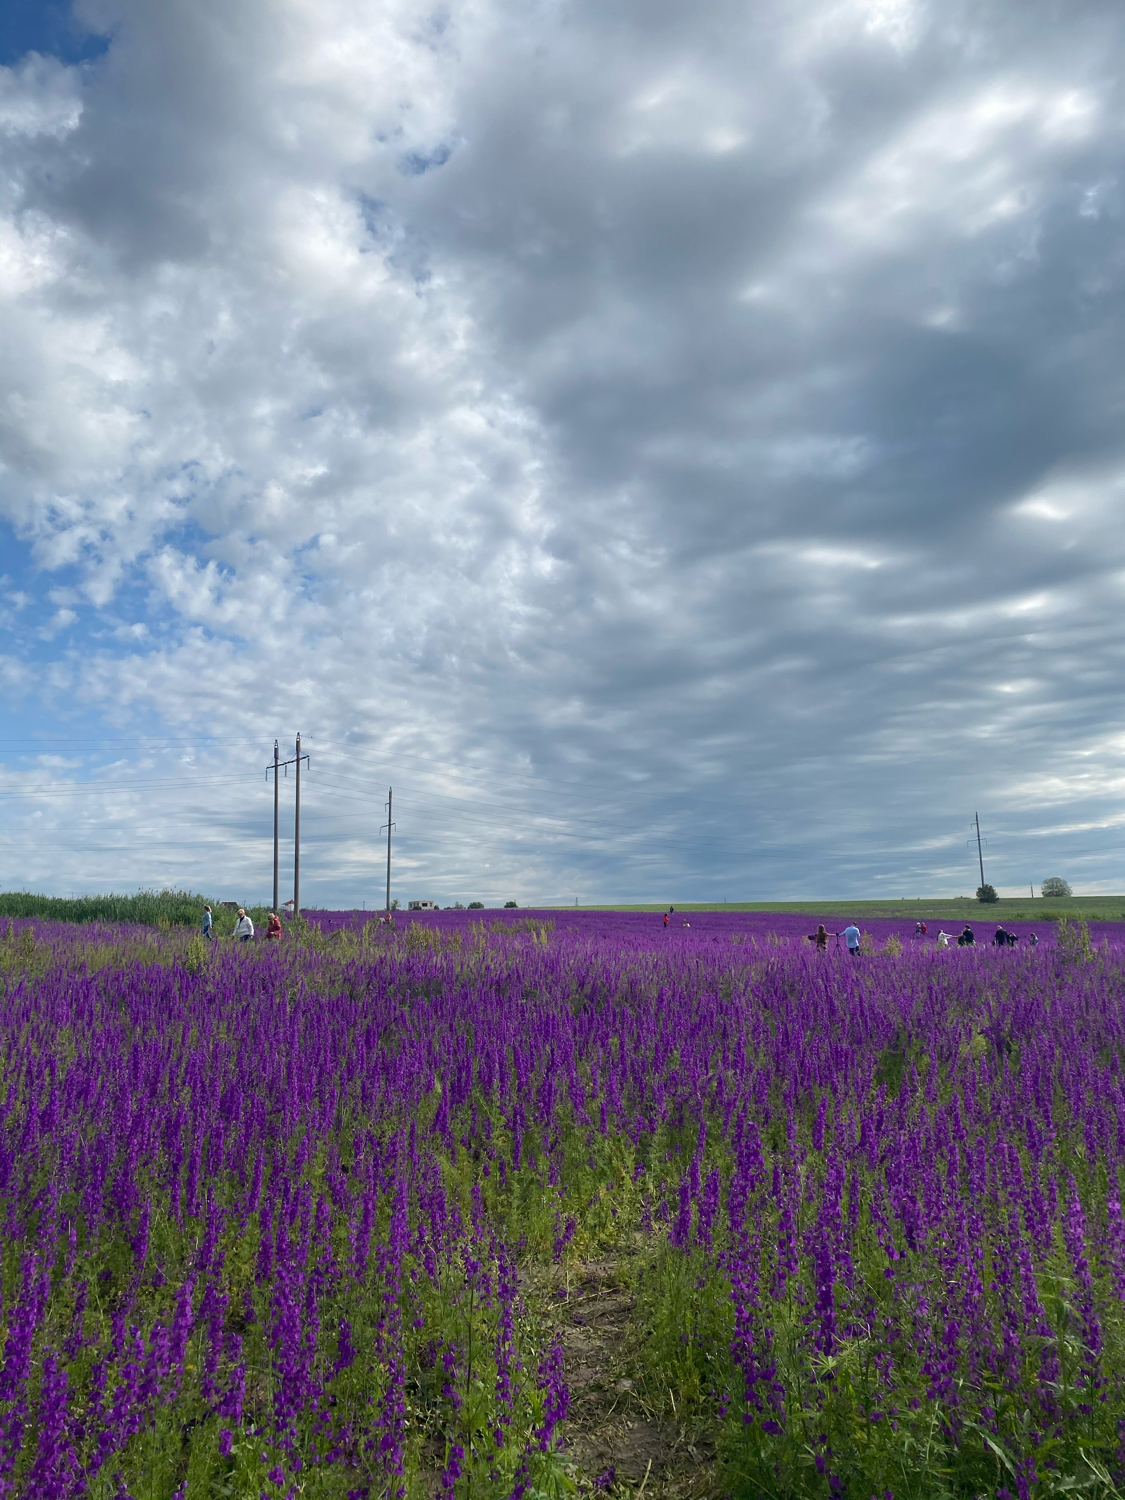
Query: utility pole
[[275, 815], [297, 834], [275, 766], [390, 825], [980, 856]]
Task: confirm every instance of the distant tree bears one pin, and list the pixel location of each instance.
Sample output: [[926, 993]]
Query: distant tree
[[509, 904], [1056, 887], [455, 907], [476, 905], [987, 893], [394, 904]]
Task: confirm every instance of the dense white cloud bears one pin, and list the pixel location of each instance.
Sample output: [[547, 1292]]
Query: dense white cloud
[[679, 447]]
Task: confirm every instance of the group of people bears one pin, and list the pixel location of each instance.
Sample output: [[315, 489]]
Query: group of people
[[243, 927], [965, 939], [670, 913]]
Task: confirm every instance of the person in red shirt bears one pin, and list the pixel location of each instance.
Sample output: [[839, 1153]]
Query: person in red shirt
[[665, 919], [273, 927]]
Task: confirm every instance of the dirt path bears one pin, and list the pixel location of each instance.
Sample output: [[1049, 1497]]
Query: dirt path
[[617, 1441]]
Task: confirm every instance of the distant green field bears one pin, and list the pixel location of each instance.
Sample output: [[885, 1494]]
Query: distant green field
[[945, 908]]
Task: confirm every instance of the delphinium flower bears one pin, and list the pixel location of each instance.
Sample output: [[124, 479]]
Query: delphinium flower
[[22, 1325], [1074, 1232], [564, 1233], [708, 1208], [679, 1235], [54, 1470], [212, 1314], [507, 1294], [230, 1403], [452, 1471], [1115, 1245], [123, 1417], [556, 1396]]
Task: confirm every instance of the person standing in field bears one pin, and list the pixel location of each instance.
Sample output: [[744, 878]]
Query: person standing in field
[[820, 938], [967, 939], [850, 936], [244, 927], [208, 923], [273, 928], [665, 919], [943, 939]]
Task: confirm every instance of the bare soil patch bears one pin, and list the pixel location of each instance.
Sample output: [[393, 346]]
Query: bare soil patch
[[619, 1436]]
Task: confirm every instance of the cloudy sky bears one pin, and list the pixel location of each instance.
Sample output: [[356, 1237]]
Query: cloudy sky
[[681, 447]]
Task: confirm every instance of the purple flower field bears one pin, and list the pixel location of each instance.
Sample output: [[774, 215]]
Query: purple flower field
[[300, 1219]]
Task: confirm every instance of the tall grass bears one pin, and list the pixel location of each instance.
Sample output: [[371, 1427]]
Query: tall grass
[[155, 908]]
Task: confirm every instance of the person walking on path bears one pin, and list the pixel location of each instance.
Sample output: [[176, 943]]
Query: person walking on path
[[273, 928], [208, 923], [244, 927], [820, 938], [850, 936]]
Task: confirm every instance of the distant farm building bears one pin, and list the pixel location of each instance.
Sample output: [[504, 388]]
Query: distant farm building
[[422, 906]]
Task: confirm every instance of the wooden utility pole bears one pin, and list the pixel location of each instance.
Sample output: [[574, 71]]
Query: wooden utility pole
[[297, 834], [275, 766], [390, 825], [980, 856], [275, 828]]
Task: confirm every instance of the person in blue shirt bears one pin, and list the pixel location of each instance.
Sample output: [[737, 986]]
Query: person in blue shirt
[[207, 923], [850, 936]]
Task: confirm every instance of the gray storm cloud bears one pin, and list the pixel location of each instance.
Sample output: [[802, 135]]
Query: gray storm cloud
[[679, 446]]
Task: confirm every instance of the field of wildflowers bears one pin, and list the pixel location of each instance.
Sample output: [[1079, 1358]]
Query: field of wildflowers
[[312, 1218]]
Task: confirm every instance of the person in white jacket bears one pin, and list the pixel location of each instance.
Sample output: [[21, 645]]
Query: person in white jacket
[[243, 928]]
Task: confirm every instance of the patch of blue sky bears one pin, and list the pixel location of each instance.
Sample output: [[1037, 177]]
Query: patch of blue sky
[[50, 28], [418, 163], [46, 615], [37, 730], [375, 215]]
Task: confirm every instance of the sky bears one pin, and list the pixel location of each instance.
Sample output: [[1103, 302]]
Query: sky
[[680, 448]]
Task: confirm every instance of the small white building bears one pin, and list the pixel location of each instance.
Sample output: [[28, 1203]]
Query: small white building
[[421, 906]]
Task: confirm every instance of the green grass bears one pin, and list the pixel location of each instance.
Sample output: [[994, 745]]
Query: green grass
[[150, 908], [943, 908]]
